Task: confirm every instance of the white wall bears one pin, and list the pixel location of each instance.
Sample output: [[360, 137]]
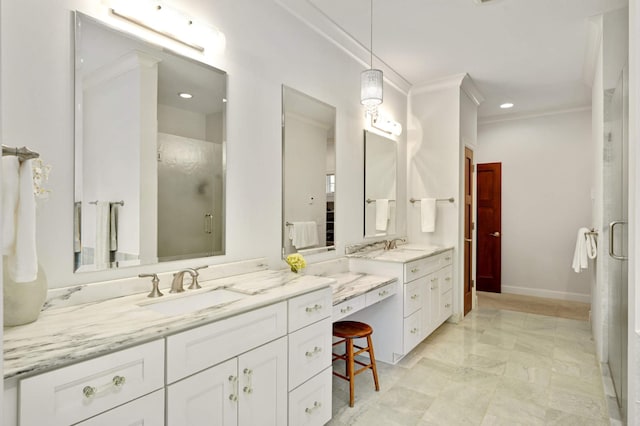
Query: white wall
[[266, 47], [547, 174]]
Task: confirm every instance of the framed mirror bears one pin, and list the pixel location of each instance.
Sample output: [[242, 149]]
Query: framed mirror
[[308, 173], [149, 152], [380, 181]]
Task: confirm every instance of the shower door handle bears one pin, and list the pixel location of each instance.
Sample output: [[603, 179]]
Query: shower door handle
[[208, 223], [612, 227]]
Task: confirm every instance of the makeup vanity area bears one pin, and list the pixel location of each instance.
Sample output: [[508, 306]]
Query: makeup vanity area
[[253, 345]]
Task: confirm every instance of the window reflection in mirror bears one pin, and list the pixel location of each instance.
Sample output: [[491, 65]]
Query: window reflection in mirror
[[149, 152], [380, 180], [308, 176]]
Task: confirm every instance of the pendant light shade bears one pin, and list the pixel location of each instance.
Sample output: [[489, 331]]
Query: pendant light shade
[[371, 88], [371, 81]]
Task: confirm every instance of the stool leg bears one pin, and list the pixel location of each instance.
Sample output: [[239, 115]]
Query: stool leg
[[373, 362], [350, 374]]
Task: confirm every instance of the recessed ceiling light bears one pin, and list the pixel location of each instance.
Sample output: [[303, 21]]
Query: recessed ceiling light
[[185, 95], [224, 100], [506, 105]]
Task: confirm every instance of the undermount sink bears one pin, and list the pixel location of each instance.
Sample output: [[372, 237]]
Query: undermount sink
[[184, 304], [400, 254]]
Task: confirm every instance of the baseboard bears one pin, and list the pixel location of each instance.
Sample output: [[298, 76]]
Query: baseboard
[[549, 294]]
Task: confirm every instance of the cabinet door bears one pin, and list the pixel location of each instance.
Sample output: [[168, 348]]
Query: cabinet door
[[263, 385], [207, 398], [148, 410]]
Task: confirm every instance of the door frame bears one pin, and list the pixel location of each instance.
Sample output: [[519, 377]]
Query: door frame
[[468, 227], [497, 269]]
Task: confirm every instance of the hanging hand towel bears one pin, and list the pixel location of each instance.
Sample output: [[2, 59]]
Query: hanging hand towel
[[23, 264], [428, 214], [113, 227], [580, 253], [10, 179], [77, 229], [303, 234], [382, 214], [101, 253], [591, 245]]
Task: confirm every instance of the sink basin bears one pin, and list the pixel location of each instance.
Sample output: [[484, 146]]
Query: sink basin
[[184, 304], [400, 254]]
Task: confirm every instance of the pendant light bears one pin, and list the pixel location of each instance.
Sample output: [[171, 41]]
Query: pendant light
[[371, 81]]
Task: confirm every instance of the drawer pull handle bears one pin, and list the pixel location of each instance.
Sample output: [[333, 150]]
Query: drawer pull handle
[[447, 279], [316, 405], [413, 330], [415, 296], [234, 381], [447, 258], [316, 351], [313, 308], [233, 397], [414, 270], [347, 309], [448, 305], [90, 392], [247, 389], [434, 287], [247, 371], [383, 293], [434, 279]]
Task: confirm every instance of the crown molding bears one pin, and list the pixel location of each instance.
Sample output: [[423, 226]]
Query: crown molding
[[462, 81], [535, 114], [319, 22]]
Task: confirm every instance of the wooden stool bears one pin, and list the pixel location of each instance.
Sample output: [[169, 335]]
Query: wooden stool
[[349, 330]]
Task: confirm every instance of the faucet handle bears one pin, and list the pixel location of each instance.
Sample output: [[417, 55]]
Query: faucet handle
[[194, 278], [155, 292]]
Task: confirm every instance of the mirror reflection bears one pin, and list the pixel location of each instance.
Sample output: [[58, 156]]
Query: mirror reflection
[[149, 152], [380, 180], [308, 177]]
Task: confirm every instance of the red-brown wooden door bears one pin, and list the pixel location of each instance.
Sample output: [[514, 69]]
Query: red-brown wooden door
[[489, 235], [468, 229]]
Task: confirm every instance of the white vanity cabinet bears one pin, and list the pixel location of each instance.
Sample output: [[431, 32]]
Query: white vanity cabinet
[[426, 302], [247, 390], [310, 347], [77, 392]]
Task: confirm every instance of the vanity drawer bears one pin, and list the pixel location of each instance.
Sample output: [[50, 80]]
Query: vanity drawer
[[309, 308], [420, 268], [446, 306], [310, 404], [199, 348], [412, 331], [59, 397], [445, 258], [413, 296], [348, 307], [379, 294], [148, 410], [309, 352], [446, 279]]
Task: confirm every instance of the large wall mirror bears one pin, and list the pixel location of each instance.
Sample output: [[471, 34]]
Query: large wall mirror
[[149, 152], [380, 181], [309, 173]]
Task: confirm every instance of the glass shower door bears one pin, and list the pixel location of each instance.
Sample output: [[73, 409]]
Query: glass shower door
[[616, 197]]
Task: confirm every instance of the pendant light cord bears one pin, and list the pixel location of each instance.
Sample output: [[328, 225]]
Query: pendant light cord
[[371, 36]]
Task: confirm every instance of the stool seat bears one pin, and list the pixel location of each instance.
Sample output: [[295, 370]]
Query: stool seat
[[351, 329], [348, 331]]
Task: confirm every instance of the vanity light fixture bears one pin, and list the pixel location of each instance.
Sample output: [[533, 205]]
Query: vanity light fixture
[[158, 17], [185, 95], [506, 105], [371, 81], [386, 124]]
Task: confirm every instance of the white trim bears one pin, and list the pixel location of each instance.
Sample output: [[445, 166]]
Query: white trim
[[548, 294], [317, 20], [593, 47], [470, 88], [513, 117], [438, 84]]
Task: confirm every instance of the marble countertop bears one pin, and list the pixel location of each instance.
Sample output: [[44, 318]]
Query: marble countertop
[[403, 254], [70, 334], [352, 284]]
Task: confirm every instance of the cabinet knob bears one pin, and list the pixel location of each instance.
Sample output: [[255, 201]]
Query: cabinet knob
[[414, 330], [414, 270], [89, 392], [315, 406], [414, 297], [247, 371], [383, 293], [233, 397], [316, 350], [346, 309], [313, 308], [247, 389], [448, 305]]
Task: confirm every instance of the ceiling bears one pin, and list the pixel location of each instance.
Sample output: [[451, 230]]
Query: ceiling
[[529, 52]]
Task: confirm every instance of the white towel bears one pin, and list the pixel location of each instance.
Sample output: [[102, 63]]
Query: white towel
[[303, 234], [77, 229], [103, 217], [382, 214], [583, 250], [10, 179], [22, 264], [428, 214]]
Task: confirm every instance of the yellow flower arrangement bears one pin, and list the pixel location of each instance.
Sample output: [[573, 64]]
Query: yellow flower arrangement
[[296, 262]]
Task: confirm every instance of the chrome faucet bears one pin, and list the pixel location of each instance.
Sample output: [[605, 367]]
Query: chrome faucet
[[177, 285], [392, 244], [154, 282]]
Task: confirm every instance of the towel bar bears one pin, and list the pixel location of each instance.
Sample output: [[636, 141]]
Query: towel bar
[[23, 153], [120, 203], [450, 199], [369, 201]]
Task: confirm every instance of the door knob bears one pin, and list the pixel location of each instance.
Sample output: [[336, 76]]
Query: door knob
[[495, 234]]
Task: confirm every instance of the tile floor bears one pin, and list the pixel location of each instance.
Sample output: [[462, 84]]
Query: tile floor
[[496, 367]]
